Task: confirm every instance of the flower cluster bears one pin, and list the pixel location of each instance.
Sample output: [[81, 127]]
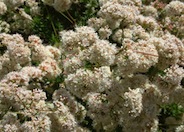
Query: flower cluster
[[60, 5], [173, 20], [114, 74]]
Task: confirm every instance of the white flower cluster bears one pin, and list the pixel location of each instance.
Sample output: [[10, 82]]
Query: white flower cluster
[[174, 17], [60, 5], [116, 14], [4, 27], [136, 57], [85, 81], [20, 54], [141, 51], [17, 16], [114, 74], [3, 8]]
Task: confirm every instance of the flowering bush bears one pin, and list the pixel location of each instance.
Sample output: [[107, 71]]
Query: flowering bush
[[120, 67]]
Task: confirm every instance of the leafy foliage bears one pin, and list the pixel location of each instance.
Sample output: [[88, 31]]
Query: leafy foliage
[[169, 110], [50, 22], [2, 49], [52, 85], [47, 24], [153, 71], [84, 10], [173, 110], [89, 65]]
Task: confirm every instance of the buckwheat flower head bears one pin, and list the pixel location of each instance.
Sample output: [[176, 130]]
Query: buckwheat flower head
[[3, 8], [62, 118], [115, 13], [148, 23], [39, 51], [40, 123], [135, 33], [31, 3], [140, 109], [170, 50], [9, 122], [14, 3], [149, 11], [83, 37], [22, 21], [180, 128], [174, 75], [25, 101], [34, 40], [48, 2], [70, 65], [55, 52], [180, 26], [85, 81], [118, 36], [32, 72], [24, 15], [137, 57], [81, 82], [77, 109], [174, 8], [103, 78], [87, 35], [151, 97], [16, 78], [19, 53], [49, 68], [62, 5], [102, 2], [98, 108], [5, 64], [133, 101], [104, 32], [102, 53], [34, 101], [96, 23], [35, 10], [4, 27], [70, 41], [15, 38], [10, 128], [95, 101]]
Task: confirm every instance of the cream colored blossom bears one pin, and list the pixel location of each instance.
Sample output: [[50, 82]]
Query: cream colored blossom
[[49, 68], [173, 75], [115, 13], [102, 53], [148, 23], [136, 57], [70, 65], [3, 8], [4, 27], [149, 11], [133, 100], [62, 5], [174, 8], [96, 23], [104, 32], [14, 3], [73, 42], [85, 81]]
